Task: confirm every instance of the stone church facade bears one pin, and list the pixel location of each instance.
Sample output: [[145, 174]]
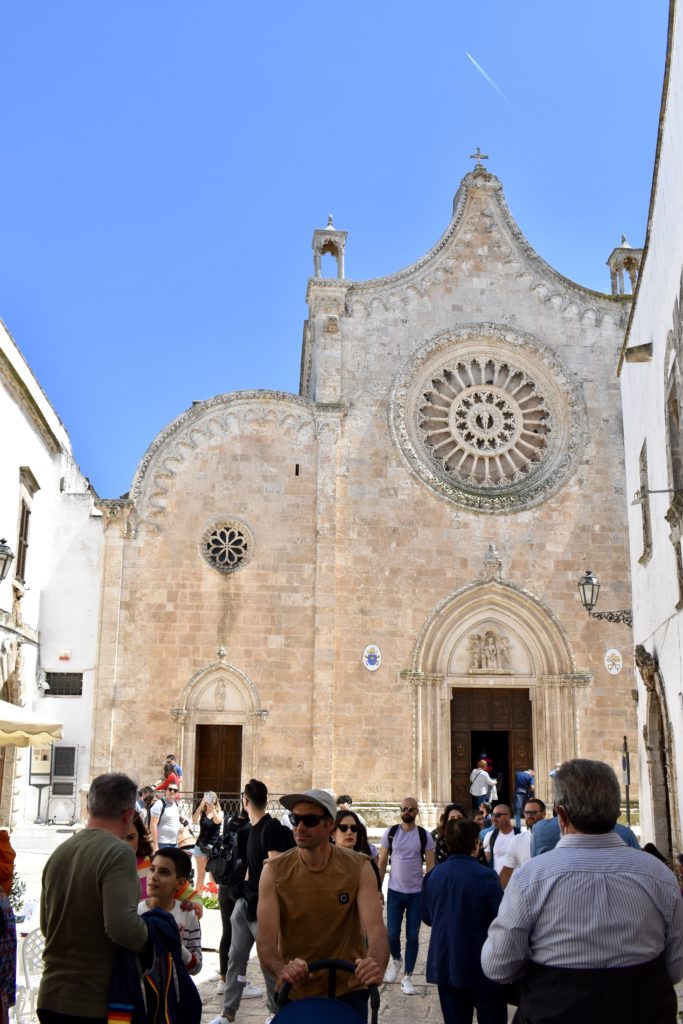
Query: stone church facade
[[452, 464]]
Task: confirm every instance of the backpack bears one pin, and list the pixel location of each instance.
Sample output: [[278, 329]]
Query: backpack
[[422, 832], [224, 862], [148, 813]]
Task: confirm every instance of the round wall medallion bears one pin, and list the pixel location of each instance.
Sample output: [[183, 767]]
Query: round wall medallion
[[488, 418], [227, 545], [372, 657], [613, 661]]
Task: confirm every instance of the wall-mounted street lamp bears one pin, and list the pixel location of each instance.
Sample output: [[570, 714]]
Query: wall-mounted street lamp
[[6, 558], [589, 588]]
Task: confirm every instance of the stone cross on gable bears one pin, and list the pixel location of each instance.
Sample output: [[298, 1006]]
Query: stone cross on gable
[[478, 156]]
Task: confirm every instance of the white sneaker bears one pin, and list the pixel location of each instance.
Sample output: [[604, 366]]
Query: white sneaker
[[251, 991], [392, 971], [220, 987], [407, 985]]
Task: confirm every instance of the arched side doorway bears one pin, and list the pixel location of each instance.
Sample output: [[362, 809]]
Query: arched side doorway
[[488, 652], [219, 725], [658, 738]]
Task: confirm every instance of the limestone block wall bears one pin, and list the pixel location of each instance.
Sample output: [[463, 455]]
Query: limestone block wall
[[166, 611]]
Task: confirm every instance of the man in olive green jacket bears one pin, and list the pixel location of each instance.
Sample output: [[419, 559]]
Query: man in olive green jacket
[[88, 904]]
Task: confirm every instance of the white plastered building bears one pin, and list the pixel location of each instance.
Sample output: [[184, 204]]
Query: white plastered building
[[651, 377], [49, 600]]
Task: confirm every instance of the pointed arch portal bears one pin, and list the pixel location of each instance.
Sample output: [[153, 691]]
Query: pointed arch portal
[[219, 723], [492, 665]]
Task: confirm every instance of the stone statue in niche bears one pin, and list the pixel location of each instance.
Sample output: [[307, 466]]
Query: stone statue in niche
[[489, 652], [220, 695]]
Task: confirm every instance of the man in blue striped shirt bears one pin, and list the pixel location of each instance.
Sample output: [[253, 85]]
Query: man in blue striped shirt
[[593, 929]]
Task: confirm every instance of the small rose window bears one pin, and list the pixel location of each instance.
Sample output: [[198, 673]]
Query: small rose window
[[227, 545]]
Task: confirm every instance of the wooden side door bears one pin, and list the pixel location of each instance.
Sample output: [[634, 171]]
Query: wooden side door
[[521, 737], [461, 747], [218, 758]]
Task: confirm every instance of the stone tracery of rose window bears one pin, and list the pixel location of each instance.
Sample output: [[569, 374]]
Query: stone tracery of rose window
[[485, 421], [227, 545]]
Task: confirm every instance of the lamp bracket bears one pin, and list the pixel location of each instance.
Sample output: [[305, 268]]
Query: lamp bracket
[[641, 494], [623, 615]]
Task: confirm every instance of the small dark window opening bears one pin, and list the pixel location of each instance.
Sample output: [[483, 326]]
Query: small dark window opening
[[62, 789], [22, 546], [64, 684], [296, 469]]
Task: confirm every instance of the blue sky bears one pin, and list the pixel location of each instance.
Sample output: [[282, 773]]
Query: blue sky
[[164, 166]]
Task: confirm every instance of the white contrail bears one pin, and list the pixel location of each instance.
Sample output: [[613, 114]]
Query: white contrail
[[489, 80]]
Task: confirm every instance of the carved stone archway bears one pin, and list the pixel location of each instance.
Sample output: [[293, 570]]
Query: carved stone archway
[[658, 737], [219, 694], [531, 652]]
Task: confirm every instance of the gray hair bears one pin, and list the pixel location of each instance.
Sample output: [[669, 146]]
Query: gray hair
[[111, 795], [590, 794]]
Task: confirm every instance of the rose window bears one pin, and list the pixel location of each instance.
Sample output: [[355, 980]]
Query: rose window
[[488, 418], [486, 423], [227, 545]]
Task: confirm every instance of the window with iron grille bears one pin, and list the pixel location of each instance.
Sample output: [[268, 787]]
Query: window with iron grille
[[22, 544], [64, 762], [64, 684]]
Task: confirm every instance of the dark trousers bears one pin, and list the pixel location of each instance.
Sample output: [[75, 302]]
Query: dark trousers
[[50, 1017], [226, 904], [629, 995], [458, 1004], [398, 904]]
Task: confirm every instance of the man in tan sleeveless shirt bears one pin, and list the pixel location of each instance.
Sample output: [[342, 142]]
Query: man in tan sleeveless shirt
[[320, 901]]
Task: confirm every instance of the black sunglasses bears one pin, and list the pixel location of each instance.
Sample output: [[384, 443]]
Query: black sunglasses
[[309, 820], [409, 810], [172, 789], [348, 828]]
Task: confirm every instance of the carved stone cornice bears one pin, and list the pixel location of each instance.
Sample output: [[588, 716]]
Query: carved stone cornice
[[223, 415], [422, 678], [324, 294], [119, 511], [22, 397], [549, 286], [674, 517], [647, 666], [17, 631], [581, 679]]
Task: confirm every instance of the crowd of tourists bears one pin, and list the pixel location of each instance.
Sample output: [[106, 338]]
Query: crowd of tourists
[[563, 917]]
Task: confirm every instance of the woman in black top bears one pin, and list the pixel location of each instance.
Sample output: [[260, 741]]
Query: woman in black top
[[451, 812], [351, 834], [210, 818]]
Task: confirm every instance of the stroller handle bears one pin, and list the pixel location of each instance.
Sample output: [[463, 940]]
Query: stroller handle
[[332, 966]]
